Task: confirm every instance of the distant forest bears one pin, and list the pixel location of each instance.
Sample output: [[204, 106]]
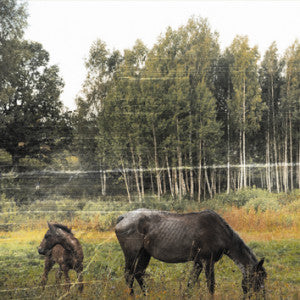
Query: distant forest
[[182, 119]]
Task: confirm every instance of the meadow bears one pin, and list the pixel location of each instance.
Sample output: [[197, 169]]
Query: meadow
[[271, 232]]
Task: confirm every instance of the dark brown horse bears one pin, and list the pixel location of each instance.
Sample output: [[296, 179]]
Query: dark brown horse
[[60, 246], [201, 237]]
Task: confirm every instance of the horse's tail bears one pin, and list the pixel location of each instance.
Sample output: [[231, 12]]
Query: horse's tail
[[120, 218]]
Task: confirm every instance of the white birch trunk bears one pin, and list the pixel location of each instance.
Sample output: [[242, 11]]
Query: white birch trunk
[[170, 177], [126, 181]]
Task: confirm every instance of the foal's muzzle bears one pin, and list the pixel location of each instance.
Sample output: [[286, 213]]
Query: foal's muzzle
[[41, 251]]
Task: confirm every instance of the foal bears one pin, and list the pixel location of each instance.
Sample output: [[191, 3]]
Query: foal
[[60, 246]]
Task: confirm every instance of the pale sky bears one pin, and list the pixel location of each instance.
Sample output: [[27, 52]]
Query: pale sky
[[67, 29]]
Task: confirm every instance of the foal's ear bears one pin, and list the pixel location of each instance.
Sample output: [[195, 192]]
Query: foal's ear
[[51, 227]]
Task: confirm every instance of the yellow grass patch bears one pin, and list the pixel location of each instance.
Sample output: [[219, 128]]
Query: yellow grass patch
[[21, 236], [251, 226], [268, 221], [92, 235], [38, 235]]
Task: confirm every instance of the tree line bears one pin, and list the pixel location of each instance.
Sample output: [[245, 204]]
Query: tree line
[[182, 118], [197, 119]]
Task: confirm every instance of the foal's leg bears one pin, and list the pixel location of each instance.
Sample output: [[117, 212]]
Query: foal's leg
[[210, 275], [65, 270], [49, 263], [58, 275], [197, 268], [139, 272], [80, 277]]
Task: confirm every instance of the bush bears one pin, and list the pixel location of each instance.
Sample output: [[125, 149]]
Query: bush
[[7, 205], [263, 204], [242, 197], [8, 211]]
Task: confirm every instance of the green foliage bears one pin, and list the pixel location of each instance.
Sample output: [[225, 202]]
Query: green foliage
[[7, 205], [13, 20], [5, 158], [240, 198], [32, 121], [257, 199], [263, 204]]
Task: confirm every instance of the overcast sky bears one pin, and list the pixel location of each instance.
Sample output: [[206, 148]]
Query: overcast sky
[[68, 28]]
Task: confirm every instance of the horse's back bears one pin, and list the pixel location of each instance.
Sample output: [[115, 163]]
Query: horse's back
[[173, 237]]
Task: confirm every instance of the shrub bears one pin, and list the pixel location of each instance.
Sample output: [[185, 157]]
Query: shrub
[[8, 210], [241, 197], [7, 205], [263, 204]]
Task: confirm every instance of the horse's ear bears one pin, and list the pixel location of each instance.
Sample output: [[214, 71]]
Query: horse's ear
[[260, 264]]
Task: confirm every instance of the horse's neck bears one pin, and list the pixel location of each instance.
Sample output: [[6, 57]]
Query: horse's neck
[[242, 257]]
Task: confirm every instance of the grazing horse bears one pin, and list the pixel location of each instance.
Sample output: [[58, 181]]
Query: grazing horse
[[201, 237], [60, 246]]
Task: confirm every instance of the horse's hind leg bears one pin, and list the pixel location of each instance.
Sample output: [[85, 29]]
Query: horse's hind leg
[[141, 265], [197, 268], [210, 276], [129, 276]]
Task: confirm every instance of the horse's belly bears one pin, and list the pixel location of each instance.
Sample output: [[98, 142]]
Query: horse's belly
[[172, 248], [171, 254]]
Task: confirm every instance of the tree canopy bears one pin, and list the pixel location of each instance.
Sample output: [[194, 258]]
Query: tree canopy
[[32, 120]]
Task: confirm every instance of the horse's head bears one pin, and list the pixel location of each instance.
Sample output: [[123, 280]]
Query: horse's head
[[255, 279], [55, 235]]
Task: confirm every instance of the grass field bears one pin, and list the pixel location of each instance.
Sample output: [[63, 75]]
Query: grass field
[[21, 267], [268, 223]]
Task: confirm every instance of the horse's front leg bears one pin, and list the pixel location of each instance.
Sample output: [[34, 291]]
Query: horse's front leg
[[139, 272], [210, 276], [49, 263]]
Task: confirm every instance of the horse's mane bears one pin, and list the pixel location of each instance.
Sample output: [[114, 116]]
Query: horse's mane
[[63, 227]]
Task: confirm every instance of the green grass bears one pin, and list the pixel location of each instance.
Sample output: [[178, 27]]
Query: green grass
[[21, 268], [270, 233]]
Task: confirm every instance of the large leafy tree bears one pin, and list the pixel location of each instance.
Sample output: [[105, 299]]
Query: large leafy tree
[[32, 120]]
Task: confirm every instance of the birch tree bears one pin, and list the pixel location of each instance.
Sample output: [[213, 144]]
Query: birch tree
[[271, 83], [291, 97], [246, 104]]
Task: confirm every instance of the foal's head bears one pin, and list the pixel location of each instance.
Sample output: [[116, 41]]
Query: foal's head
[[255, 279], [57, 234]]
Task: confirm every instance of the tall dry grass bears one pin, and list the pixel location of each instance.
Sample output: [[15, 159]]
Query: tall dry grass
[[264, 225]]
